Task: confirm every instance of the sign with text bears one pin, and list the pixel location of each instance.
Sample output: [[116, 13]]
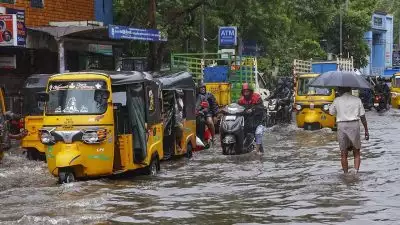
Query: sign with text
[[130, 33], [227, 36], [8, 30], [8, 62], [21, 28]]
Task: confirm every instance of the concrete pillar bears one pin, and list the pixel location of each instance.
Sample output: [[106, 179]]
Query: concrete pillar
[[61, 56]]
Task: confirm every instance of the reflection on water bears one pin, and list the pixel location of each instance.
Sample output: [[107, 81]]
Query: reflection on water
[[297, 181]]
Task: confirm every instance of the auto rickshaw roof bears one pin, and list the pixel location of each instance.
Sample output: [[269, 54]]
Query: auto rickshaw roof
[[175, 80], [37, 81]]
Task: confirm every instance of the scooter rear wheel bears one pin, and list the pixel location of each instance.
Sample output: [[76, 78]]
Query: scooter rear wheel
[[229, 149]]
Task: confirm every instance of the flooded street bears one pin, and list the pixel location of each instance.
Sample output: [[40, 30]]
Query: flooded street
[[297, 181]]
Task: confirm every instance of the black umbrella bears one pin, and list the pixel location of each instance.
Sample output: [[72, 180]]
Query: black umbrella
[[340, 79]]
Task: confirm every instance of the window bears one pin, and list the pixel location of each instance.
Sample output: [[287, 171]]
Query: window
[[8, 1], [304, 89], [37, 3], [378, 21]]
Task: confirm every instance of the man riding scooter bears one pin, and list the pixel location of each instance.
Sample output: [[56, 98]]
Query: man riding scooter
[[213, 108], [383, 89], [283, 94], [253, 104]]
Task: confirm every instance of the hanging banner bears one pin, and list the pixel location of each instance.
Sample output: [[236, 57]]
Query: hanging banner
[[131, 33], [8, 30], [21, 28]]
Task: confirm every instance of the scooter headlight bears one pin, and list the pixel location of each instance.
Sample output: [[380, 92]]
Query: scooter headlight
[[326, 107], [94, 136], [271, 106], [46, 138], [298, 107]]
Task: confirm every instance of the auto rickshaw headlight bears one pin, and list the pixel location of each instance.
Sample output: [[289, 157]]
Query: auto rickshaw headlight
[[326, 107], [46, 138], [94, 136], [298, 107]]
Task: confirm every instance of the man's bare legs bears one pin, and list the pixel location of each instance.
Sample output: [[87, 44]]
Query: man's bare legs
[[357, 159], [345, 163]]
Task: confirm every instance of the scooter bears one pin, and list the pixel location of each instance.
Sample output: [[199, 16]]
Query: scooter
[[379, 102], [203, 134], [272, 110], [235, 139], [276, 112]]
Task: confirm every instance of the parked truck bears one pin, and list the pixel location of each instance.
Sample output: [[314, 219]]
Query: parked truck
[[223, 73]]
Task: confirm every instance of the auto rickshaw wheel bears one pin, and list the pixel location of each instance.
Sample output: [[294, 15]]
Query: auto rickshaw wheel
[[154, 167], [31, 154], [66, 175], [189, 151]]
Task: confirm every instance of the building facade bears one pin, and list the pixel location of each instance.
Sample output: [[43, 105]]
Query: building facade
[[25, 51], [380, 43], [41, 12]]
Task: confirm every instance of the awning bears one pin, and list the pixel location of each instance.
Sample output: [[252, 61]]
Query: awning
[[82, 33]]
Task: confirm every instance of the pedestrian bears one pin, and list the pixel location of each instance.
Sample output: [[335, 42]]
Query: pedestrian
[[349, 110]]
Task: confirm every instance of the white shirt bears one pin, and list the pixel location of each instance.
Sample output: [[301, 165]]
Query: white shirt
[[347, 108]]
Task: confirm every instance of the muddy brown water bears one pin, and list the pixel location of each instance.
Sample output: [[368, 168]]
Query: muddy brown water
[[297, 181]]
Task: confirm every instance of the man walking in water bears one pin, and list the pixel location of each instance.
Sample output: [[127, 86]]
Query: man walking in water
[[349, 110]]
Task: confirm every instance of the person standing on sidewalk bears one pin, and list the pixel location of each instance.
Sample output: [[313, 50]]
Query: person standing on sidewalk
[[349, 110]]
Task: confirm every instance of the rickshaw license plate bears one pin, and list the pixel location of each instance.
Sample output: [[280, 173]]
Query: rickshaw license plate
[[230, 118], [376, 104]]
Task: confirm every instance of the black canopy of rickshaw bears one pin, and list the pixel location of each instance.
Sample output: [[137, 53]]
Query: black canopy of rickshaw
[[119, 78], [34, 84], [37, 81], [172, 81]]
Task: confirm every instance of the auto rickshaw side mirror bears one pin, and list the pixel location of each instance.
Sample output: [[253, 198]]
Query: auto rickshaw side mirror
[[104, 93], [42, 97]]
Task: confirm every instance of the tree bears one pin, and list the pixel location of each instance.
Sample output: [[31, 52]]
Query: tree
[[287, 29], [356, 22]]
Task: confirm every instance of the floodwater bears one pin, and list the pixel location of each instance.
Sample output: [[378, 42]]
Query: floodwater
[[297, 181]]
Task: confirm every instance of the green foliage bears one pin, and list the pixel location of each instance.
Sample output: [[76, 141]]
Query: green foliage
[[392, 7], [287, 29]]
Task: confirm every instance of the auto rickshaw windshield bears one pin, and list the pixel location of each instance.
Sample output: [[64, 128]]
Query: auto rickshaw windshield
[[76, 97], [304, 89]]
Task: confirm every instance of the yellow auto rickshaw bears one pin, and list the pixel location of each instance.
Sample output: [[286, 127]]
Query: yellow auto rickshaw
[[395, 91], [33, 115], [102, 123], [179, 114], [312, 104]]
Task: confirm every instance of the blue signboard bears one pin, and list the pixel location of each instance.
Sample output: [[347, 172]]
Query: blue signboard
[[21, 29], [130, 33], [227, 36]]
